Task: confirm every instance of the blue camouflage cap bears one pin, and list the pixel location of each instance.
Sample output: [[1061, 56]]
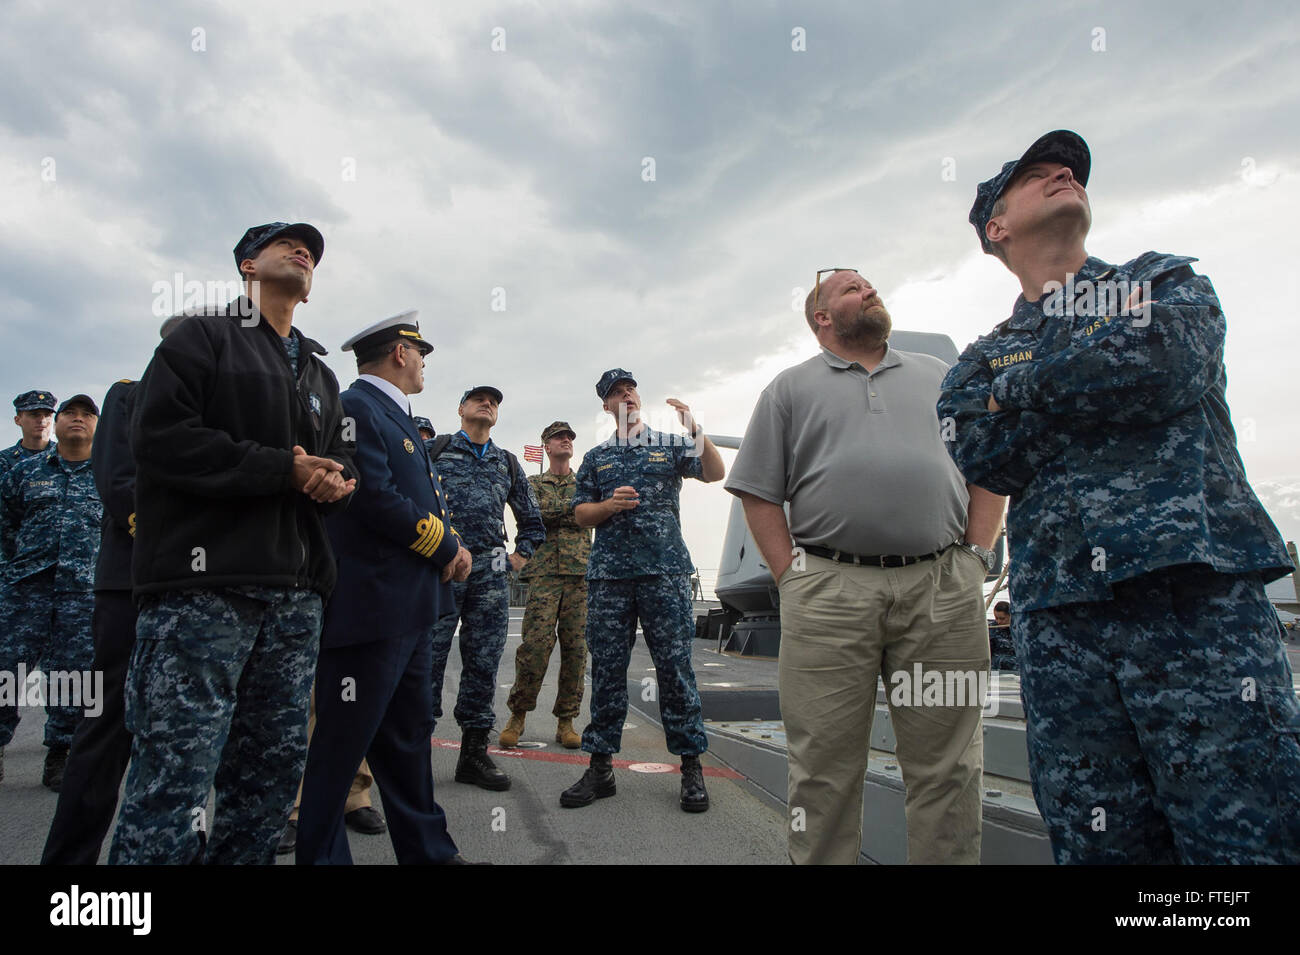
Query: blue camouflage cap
[[423, 424], [485, 389], [259, 235], [34, 401], [1060, 145], [612, 378]]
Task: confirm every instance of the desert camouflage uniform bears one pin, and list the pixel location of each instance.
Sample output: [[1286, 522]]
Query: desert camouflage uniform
[[1162, 722], [557, 599], [478, 489], [49, 537], [640, 568]]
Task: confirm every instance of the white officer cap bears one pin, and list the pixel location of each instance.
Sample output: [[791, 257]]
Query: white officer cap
[[373, 340]]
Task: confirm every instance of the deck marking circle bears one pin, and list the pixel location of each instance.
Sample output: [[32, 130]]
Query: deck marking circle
[[651, 768]]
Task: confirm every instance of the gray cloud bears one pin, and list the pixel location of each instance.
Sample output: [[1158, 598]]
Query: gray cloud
[[522, 169]]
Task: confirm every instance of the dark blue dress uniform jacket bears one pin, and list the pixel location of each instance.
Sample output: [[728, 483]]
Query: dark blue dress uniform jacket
[[394, 538]]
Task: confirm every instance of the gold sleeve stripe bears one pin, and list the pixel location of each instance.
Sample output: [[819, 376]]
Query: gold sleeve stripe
[[430, 532], [430, 535], [426, 531]]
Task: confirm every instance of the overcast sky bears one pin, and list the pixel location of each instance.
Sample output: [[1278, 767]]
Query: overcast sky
[[645, 185]]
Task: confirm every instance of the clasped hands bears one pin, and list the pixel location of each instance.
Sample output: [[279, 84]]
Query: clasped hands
[[321, 479]]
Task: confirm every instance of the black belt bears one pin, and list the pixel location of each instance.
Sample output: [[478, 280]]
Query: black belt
[[869, 560]]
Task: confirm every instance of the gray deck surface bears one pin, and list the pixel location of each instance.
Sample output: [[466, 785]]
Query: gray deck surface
[[639, 826]]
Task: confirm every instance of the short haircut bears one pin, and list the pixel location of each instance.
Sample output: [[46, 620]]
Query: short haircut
[[808, 308], [1003, 606], [375, 354], [999, 207]]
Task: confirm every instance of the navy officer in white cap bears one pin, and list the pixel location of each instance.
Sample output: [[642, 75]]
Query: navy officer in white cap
[[397, 555]]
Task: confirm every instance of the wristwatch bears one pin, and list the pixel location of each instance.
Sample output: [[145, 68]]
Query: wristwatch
[[989, 558]]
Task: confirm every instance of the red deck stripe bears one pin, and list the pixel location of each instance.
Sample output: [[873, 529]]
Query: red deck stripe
[[576, 759]]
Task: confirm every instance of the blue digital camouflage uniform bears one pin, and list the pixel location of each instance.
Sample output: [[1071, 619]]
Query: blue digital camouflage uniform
[[291, 349], [1161, 718], [12, 456], [478, 489], [16, 455], [1002, 650], [49, 537], [195, 647], [640, 568]]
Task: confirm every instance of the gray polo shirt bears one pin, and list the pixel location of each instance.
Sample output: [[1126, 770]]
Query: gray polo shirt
[[857, 455]]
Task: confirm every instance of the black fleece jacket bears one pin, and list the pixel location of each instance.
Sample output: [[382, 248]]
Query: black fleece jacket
[[114, 467], [216, 416]]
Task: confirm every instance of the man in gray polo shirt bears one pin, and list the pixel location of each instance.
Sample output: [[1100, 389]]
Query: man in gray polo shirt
[[873, 584]]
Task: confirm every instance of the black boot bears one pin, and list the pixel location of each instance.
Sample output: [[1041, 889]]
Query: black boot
[[55, 760], [475, 767], [596, 783], [288, 838], [695, 798]]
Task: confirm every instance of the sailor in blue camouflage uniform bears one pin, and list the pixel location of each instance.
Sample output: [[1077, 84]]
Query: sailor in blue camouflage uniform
[[628, 488], [101, 745], [238, 439], [1162, 723], [425, 427], [34, 415], [480, 480], [49, 538]]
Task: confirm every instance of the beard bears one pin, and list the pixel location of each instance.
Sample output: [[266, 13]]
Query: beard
[[867, 328]]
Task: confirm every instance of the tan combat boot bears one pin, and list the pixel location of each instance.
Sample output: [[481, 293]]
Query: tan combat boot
[[566, 736], [514, 729]]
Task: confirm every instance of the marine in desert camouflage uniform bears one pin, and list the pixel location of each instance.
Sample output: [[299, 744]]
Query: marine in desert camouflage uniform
[[557, 598]]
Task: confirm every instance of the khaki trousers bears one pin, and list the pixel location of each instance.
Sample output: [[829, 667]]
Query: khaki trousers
[[358, 795], [843, 626]]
